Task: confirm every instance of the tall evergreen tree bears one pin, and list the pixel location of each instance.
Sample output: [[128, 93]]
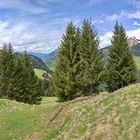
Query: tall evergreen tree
[[64, 78], [6, 71], [17, 78], [18, 83], [121, 67], [91, 60], [32, 85]]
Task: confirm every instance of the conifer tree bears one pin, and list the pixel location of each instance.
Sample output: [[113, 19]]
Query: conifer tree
[[6, 71], [17, 78], [19, 83], [64, 78], [121, 67], [91, 60], [32, 85]]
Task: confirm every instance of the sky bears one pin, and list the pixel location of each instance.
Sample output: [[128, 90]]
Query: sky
[[38, 25]]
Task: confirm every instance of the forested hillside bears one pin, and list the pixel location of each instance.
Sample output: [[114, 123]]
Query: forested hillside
[[37, 62]]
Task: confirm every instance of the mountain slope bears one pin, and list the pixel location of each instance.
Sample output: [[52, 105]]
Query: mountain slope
[[104, 117], [50, 59], [136, 50], [39, 73], [132, 41], [36, 62], [137, 60], [39, 55], [134, 44]]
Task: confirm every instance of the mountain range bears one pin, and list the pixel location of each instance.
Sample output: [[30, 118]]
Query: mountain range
[[134, 45], [47, 61], [36, 62]]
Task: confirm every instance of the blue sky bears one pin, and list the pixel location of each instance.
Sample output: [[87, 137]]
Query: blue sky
[[37, 25]]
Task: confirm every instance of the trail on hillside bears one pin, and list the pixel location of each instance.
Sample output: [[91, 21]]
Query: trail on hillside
[[58, 118]]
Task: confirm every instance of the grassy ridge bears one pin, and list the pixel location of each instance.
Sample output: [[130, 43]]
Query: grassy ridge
[[105, 117], [39, 73], [137, 60]]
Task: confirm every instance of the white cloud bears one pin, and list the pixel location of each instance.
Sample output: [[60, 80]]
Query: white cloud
[[105, 39], [3, 26], [135, 15], [22, 6], [132, 33], [92, 2], [124, 15], [135, 3], [136, 23], [30, 37], [115, 16]]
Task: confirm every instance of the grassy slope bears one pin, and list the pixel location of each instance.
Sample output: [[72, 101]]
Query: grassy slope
[[18, 120], [105, 117], [39, 73], [137, 59]]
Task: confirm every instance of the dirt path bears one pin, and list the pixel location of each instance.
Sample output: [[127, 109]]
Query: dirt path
[[58, 118]]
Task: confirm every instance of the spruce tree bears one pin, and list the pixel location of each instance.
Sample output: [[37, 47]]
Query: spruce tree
[[64, 77], [91, 60], [17, 78], [6, 71], [32, 85], [121, 67], [19, 83]]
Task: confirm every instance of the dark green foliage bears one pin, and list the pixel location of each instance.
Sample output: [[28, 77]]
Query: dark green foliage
[[32, 89], [91, 60], [121, 67], [79, 68], [47, 86], [64, 77], [36, 62], [6, 71], [17, 78]]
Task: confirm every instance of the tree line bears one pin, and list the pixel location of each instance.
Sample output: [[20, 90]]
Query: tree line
[[81, 68], [17, 78]]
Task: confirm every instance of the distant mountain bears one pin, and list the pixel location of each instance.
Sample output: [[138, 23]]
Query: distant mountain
[[134, 44], [39, 55], [36, 62], [50, 59], [132, 41], [136, 50]]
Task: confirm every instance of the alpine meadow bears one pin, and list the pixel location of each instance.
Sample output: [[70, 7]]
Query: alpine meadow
[[69, 70]]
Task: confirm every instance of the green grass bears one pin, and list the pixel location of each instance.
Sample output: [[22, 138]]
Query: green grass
[[18, 120], [108, 116], [105, 117], [137, 60], [39, 73]]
